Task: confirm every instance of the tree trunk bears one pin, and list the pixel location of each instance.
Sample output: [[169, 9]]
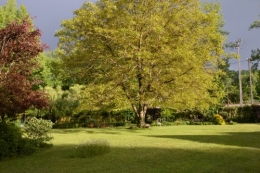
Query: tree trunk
[[141, 122], [140, 115]]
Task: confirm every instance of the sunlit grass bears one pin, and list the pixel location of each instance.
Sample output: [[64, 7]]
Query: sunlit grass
[[90, 148], [229, 148]]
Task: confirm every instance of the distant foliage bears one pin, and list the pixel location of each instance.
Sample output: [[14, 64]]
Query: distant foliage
[[98, 119], [63, 103], [168, 113], [241, 114]]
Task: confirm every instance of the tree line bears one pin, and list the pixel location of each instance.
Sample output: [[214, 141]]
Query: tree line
[[120, 55]]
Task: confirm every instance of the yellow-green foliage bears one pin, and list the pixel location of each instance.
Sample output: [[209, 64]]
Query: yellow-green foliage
[[10, 13], [218, 119], [145, 52]]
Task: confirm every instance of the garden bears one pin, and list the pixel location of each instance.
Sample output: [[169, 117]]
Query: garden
[[124, 93]]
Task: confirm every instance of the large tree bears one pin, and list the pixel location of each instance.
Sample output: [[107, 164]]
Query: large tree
[[19, 46], [148, 52]]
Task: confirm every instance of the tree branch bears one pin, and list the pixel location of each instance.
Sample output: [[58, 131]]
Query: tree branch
[[171, 80]]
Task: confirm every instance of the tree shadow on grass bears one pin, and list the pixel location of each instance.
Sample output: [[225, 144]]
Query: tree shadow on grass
[[95, 130], [67, 131], [240, 139], [138, 160]]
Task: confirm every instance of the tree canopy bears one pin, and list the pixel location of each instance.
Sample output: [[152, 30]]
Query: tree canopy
[[255, 55], [19, 47], [9, 13], [256, 24], [146, 53]]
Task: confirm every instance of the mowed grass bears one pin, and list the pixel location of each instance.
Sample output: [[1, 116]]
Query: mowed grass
[[166, 149]]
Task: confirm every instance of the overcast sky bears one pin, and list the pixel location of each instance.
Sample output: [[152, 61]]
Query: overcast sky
[[238, 15]]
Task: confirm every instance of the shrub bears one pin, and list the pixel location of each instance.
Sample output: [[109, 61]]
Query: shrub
[[26, 147], [201, 123], [224, 114], [91, 148], [232, 112], [180, 122], [38, 130], [12, 143], [10, 135], [4, 149], [256, 113], [218, 119], [242, 114]]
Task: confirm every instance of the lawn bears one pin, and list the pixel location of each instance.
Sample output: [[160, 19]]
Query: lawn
[[208, 149]]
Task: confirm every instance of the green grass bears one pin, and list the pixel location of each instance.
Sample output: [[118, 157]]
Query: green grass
[[166, 149]]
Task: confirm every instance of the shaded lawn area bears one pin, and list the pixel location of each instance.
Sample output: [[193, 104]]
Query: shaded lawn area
[[171, 149]]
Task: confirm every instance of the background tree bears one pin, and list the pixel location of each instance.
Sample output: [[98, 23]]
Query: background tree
[[19, 47], [256, 83], [9, 12], [49, 71], [255, 55], [256, 24], [63, 103], [145, 52]]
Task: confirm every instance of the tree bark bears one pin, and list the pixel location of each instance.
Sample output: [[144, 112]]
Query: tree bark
[[140, 115]]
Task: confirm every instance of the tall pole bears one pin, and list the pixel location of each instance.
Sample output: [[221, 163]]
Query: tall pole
[[250, 77], [227, 96], [239, 72]]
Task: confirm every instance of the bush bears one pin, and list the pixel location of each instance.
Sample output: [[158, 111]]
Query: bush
[[11, 142], [91, 148], [224, 114], [201, 123], [180, 122], [256, 113], [26, 147], [38, 130], [242, 114], [10, 135], [218, 119]]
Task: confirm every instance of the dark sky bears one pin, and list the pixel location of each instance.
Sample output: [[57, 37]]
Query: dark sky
[[238, 15]]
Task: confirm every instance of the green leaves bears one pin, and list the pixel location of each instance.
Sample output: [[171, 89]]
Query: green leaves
[[153, 53], [256, 24], [38, 130], [9, 13]]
